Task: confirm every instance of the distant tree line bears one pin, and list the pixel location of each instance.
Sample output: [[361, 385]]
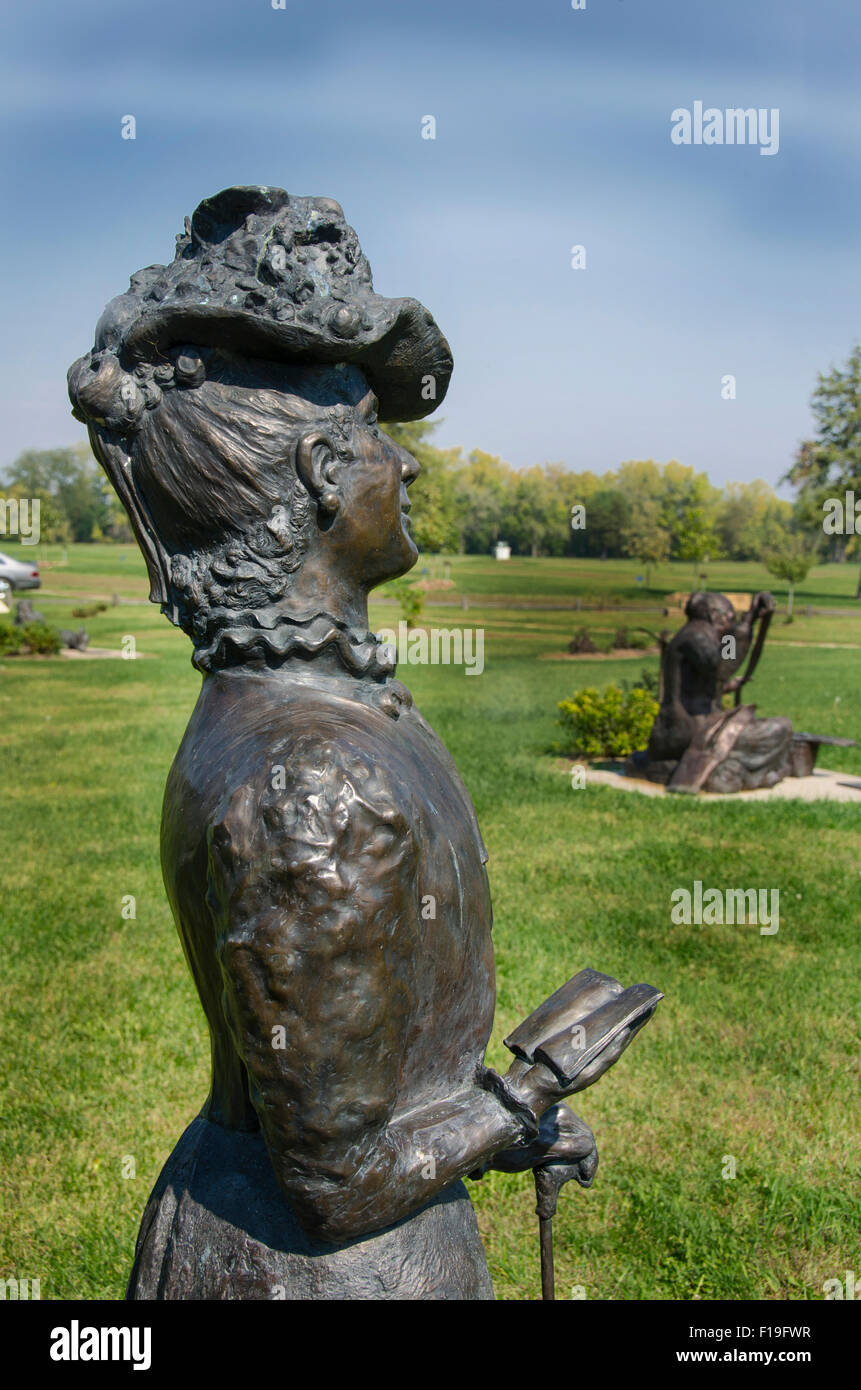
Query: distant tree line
[[77, 501], [466, 504], [647, 511]]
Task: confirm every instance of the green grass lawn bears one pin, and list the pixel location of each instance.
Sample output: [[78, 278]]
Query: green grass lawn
[[120, 568], [752, 1055]]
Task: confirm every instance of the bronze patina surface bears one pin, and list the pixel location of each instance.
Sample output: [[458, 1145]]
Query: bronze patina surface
[[698, 745], [320, 851]]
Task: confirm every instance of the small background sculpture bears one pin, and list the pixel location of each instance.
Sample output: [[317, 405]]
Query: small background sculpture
[[698, 745], [25, 613]]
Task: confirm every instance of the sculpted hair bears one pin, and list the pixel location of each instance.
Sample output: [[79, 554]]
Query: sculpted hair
[[705, 607], [202, 452]]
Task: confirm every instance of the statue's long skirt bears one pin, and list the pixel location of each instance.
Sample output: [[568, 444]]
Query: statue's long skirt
[[217, 1226]]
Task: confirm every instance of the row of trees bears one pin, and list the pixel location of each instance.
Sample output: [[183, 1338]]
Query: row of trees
[[643, 509], [77, 503], [651, 512]]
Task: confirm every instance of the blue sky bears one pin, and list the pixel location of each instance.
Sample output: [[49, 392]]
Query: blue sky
[[553, 129]]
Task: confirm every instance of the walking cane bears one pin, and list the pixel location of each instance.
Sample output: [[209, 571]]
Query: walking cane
[[566, 1034], [548, 1181], [546, 1193]]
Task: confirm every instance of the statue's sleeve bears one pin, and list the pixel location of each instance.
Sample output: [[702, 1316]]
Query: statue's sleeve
[[313, 890]]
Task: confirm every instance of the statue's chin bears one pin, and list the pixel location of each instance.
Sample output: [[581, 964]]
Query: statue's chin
[[397, 560], [396, 573], [409, 556]]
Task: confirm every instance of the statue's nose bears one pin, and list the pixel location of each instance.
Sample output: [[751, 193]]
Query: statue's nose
[[410, 467]]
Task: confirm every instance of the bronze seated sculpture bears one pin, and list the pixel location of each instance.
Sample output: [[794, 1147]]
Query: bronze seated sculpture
[[320, 852], [25, 614], [696, 744]]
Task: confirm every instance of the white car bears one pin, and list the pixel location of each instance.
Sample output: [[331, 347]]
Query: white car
[[16, 574]]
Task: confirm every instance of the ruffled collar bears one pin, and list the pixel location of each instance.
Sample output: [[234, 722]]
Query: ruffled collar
[[268, 637]]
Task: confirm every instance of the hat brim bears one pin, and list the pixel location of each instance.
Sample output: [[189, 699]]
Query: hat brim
[[403, 354]]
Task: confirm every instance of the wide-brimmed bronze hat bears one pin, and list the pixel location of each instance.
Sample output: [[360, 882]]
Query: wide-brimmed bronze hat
[[270, 275]]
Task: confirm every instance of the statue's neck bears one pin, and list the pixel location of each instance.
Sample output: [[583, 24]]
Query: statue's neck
[[313, 591], [280, 637]]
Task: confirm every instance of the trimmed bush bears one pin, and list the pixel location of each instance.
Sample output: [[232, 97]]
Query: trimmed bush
[[606, 724], [10, 639], [650, 681], [41, 639], [89, 610], [632, 638], [582, 642]]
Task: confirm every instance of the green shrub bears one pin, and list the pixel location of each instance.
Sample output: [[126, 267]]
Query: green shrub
[[581, 642], [41, 639], [634, 638], [89, 610], [608, 724], [10, 639], [650, 681], [411, 599]]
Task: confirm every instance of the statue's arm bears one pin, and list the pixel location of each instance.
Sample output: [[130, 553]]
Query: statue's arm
[[314, 899], [762, 604], [672, 677]]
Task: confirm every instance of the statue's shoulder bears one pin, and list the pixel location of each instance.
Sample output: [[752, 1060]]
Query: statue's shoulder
[[308, 790], [697, 639], [261, 765], [240, 718]]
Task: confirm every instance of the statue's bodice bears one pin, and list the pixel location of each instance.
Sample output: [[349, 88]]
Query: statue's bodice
[[340, 780]]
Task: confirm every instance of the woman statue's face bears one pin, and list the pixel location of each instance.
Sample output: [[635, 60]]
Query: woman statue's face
[[371, 529]]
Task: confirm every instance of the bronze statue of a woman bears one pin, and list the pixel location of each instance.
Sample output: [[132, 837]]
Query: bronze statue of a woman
[[320, 852]]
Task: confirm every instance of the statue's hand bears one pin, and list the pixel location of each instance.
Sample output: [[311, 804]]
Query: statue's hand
[[538, 1087], [563, 1139], [764, 603]]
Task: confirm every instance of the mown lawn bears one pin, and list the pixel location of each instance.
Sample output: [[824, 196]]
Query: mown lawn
[[109, 568], [753, 1055]]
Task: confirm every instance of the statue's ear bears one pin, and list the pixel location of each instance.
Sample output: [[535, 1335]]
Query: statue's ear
[[317, 467]]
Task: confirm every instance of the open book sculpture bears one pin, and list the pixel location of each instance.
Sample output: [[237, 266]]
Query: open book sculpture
[[320, 852]]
